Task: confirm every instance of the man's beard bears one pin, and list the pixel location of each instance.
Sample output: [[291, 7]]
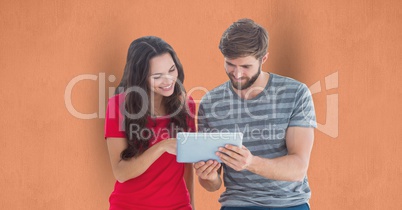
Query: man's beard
[[248, 83]]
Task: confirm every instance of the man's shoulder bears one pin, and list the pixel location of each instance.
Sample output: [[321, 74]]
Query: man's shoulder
[[279, 80], [288, 87], [216, 93]]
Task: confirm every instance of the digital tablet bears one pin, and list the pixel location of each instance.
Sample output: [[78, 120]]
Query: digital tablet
[[195, 147]]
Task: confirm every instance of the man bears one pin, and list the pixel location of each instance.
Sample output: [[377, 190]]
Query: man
[[276, 116]]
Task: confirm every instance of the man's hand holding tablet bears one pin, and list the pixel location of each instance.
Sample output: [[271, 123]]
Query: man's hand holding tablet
[[205, 150]]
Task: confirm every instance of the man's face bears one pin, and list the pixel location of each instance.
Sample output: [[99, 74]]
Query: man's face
[[243, 71]]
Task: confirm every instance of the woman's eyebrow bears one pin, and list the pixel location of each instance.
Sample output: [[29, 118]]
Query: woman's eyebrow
[[161, 73]]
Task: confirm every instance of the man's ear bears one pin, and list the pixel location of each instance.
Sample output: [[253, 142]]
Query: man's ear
[[264, 58]]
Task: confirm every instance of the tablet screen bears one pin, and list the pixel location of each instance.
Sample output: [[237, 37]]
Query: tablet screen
[[195, 147]]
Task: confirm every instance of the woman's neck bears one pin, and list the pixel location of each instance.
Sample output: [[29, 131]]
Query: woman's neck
[[157, 107]]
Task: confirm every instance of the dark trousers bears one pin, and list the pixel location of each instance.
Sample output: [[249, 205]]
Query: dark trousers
[[299, 207]]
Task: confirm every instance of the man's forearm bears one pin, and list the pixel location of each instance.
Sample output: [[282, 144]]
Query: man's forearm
[[285, 168]]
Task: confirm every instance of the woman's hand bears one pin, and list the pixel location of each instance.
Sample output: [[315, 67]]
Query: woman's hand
[[169, 145]]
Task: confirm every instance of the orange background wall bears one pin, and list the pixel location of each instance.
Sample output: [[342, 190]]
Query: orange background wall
[[53, 160]]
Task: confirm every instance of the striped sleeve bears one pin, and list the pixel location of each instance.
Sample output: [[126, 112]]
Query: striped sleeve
[[303, 114]]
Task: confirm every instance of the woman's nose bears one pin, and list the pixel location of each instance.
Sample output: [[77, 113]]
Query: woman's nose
[[167, 78]]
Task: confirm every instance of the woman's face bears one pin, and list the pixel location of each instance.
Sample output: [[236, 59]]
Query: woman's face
[[162, 75]]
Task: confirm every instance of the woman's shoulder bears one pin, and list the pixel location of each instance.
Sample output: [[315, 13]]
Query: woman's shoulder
[[190, 104], [190, 100], [116, 99]]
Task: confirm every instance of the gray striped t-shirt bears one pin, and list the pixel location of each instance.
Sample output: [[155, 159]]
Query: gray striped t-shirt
[[263, 120]]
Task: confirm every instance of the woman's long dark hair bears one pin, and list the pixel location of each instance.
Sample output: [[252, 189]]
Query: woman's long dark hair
[[136, 72]]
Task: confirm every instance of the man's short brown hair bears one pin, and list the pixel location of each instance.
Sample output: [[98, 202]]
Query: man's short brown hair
[[244, 38]]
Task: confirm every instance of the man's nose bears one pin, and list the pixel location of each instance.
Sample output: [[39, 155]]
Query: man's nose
[[237, 72]]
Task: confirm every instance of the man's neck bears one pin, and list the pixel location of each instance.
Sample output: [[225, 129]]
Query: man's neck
[[254, 89]]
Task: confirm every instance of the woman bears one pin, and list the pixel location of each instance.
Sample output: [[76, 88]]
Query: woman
[[140, 127]]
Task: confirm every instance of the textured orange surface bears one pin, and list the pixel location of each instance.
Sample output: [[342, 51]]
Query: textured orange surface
[[51, 159]]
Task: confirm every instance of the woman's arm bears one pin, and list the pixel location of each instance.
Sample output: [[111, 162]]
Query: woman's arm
[[189, 178], [124, 170]]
